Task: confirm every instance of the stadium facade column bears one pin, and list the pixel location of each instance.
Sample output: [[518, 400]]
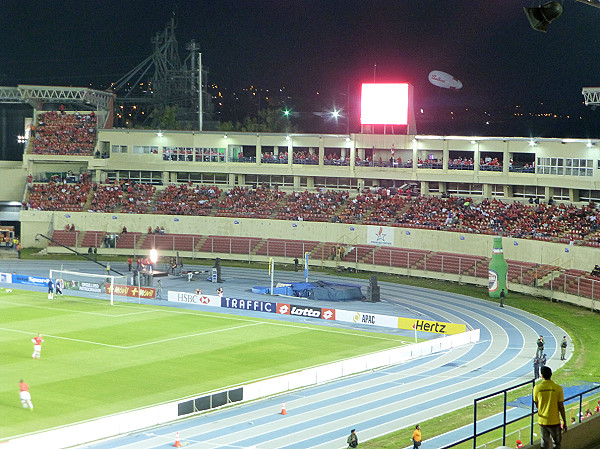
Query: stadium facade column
[[505, 158], [487, 190], [415, 154], [508, 191], [574, 195], [321, 152], [445, 156], [424, 187], [231, 179], [352, 148], [476, 158], [258, 152], [297, 182], [290, 150], [165, 178], [442, 187], [548, 193]]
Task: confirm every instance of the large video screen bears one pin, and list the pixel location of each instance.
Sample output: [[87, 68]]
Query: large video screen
[[384, 104]]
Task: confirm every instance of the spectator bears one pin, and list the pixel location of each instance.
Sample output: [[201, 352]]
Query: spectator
[[549, 399]]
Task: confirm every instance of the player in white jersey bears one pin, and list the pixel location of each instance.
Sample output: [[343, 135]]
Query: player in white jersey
[[59, 285]]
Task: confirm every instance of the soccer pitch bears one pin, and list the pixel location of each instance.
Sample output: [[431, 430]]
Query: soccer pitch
[[99, 359]]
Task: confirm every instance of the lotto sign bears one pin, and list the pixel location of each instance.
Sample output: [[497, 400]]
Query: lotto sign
[[291, 309]]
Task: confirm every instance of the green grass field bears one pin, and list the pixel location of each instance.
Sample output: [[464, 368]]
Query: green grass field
[[99, 359]]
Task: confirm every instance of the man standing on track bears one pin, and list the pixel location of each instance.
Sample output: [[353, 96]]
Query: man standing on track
[[416, 437], [37, 346], [540, 347], [549, 399], [352, 439], [563, 348]]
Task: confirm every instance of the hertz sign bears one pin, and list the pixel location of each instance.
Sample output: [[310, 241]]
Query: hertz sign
[[436, 327]]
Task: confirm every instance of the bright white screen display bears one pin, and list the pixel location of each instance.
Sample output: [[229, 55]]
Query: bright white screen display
[[384, 104]]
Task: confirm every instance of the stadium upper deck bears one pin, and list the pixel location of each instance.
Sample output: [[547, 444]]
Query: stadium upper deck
[[506, 168]]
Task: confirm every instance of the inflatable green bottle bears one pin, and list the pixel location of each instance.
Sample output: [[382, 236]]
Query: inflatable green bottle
[[498, 270]]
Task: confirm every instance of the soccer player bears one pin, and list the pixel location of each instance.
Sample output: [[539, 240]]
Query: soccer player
[[50, 289], [37, 346], [59, 287], [25, 395]]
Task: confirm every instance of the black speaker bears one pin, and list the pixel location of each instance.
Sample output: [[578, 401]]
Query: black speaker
[[218, 267], [543, 15], [373, 290]]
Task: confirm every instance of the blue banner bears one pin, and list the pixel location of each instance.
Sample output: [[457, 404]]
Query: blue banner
[[248, 304], [29, 280]]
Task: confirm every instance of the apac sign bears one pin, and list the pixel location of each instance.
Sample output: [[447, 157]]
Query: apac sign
[[384, 104], [370, 319], [436, 327]]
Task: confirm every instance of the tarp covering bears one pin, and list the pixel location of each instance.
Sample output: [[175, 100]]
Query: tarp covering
[[320, 290], [525, 401]]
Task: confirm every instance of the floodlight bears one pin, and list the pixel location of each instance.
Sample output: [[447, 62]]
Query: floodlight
[[153, 255]]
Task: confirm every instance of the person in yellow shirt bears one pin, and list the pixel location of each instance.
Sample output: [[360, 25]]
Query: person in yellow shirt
[[549, 399], [416, 437]]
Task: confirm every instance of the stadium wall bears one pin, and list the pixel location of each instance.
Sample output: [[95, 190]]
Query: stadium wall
[[565, 256], [13, 181]]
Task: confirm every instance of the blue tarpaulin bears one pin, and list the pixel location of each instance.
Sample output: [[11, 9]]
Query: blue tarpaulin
[[574, 390], [320, 290]]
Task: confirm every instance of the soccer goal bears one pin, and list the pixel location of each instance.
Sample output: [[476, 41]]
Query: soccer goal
[[102, 284]]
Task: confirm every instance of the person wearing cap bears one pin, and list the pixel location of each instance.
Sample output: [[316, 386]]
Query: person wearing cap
[[540, 347], [519, 444], [416, 437], [563, 348], [549, 399], [352, 439]]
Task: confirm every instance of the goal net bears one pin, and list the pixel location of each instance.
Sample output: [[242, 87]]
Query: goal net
[[100, 284]]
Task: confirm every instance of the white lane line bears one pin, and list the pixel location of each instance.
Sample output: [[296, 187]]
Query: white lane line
[[64, 338], [190, 335], [117, 315]]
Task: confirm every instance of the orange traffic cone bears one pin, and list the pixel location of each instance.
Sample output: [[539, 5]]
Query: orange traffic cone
[[283, 410], [177, 443]]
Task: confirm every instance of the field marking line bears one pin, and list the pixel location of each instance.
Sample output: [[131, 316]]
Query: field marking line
[[65, 338], [191, 335], [133, 346], [112, 315]]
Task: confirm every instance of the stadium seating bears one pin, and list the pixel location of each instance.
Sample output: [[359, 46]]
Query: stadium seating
[[58, 133]]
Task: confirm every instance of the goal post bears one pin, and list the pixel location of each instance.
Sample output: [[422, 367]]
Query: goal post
[[87, 282]]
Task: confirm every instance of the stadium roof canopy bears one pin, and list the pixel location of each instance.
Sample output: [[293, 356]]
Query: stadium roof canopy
[[36, 96]]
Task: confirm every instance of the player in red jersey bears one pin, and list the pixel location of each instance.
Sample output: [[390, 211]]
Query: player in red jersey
[[25, 395], [37, 346]]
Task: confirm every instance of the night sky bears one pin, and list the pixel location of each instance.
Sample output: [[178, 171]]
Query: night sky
[[326, 46]]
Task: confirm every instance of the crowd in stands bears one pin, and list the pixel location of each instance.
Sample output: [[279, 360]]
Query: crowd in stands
[[186, 199], [270, 158], [58, 196], [60, 133], [560, 222], [106, 197], [312, 206], [249, 203], [139, 198]]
